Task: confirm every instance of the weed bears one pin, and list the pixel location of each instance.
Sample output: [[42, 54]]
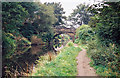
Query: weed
[[63, 65]]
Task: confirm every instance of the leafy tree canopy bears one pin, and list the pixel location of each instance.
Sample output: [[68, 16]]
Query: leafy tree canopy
[[13, 15], [81, 15], [58, 12], [106, 21]]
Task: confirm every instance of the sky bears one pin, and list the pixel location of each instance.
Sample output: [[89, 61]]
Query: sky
[[69, 5]]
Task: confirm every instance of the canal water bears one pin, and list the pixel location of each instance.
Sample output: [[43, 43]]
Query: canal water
[[23, 60]]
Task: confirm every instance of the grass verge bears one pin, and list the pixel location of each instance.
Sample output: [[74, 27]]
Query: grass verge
[[63, 65]]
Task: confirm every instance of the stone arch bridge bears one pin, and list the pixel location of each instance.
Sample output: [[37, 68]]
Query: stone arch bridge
[[63, 30]]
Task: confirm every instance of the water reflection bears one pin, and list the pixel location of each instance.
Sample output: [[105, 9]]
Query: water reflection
[[22, 61]]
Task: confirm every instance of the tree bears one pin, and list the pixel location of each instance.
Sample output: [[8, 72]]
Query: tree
[[84, 34], [40, 20], [105, 48], [24, 19], [107, 24], [13, 15], [58, 12], [80, 15]]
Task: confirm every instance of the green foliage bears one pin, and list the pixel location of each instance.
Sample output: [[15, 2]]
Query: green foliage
[[66, 38], [107, 25], [81, 15], [47, 37], [8, 40], [24, 19], [104, 49], [106, 56], [9, 44], [42, 18], [30, 7], [61, 40], [58, 12], [28, 18], [57, 42], [63, 65], [103, 44], [84, 33], [70, 44], [13, 15], [76, 41], [24, 41]]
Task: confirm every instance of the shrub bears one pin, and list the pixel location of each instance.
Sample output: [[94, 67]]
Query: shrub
[[9, 44], [84, 33], [105, 22], [70, 43], [76, 41], [105, 56], [105, 49]]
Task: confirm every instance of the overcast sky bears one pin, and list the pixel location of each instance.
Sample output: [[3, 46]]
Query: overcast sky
[[69, 5]]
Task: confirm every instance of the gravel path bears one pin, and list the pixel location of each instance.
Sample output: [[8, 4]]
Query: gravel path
[[83, 67]]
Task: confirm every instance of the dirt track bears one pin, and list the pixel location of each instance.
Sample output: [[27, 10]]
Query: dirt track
[[83, 67]]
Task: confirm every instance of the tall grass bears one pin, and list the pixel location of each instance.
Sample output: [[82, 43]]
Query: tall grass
[[104, 53], [70, 43], [63, 65], [105, 59]]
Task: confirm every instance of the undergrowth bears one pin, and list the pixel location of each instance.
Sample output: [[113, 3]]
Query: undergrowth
[[104, 59], [63, 65]]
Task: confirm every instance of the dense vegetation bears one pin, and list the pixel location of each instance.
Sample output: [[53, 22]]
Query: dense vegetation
[[58, 12], [28, 23], [24, 20], [81, 15], [61, 40], [64, 64], [103, 31], [84, 34]]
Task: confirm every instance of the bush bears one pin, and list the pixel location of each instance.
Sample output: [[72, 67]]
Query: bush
[[70, 44], [76, 41], [105, 56], [9, 44], [105, 22], [84, 33], [105, 49]]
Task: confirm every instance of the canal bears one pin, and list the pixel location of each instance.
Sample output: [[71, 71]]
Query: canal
[[22, 61]]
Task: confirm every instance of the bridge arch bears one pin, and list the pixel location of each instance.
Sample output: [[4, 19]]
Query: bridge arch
[[64, 30]]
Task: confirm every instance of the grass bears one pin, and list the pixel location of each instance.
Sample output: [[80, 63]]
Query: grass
[[100, 60], [103, 70], [63, 65], [70, 44]]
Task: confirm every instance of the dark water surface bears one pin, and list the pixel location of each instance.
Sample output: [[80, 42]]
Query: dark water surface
[[23, 60]]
